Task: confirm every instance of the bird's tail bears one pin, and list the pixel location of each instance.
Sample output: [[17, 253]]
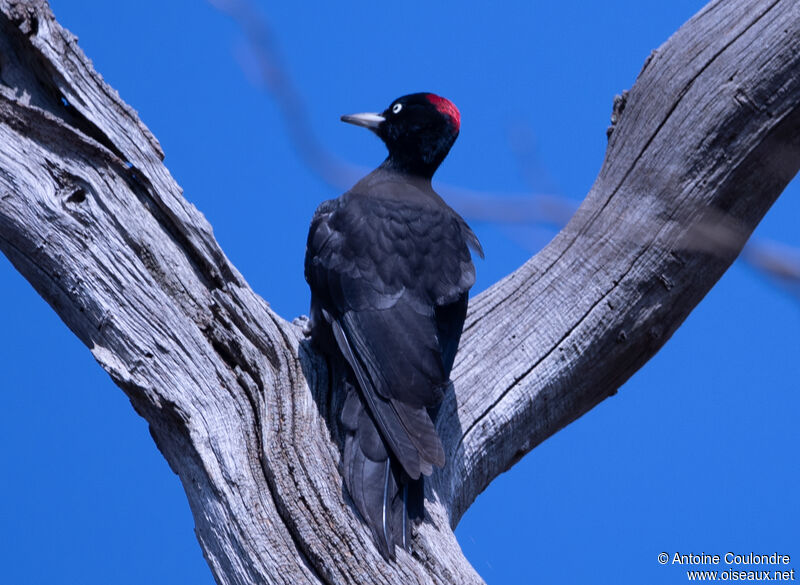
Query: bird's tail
[[387, 499]]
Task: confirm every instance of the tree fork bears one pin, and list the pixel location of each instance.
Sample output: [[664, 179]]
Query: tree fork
[[237, 403]]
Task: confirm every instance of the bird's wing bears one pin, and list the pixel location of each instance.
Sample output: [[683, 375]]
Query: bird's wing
[[394, 402], [380, 268]]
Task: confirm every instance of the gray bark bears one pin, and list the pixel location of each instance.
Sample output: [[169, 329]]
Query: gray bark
[[708, 138]]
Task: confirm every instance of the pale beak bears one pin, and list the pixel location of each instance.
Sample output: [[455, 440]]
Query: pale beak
[[367, 120]]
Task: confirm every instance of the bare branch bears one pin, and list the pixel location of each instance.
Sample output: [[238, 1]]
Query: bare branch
[[709, 137], [780, 262], [238, 404]]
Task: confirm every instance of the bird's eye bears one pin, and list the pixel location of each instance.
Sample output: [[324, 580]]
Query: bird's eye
[[396, 108]]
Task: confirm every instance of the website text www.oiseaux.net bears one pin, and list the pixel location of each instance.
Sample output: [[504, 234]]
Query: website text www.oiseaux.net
[[732, 566]]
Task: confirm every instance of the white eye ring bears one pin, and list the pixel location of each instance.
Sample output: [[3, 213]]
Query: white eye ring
[[396, 108]]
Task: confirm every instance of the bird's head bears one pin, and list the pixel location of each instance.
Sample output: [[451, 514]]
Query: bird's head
[[418, 129]]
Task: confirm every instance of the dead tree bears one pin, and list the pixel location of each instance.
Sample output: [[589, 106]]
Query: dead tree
[[708, 138]]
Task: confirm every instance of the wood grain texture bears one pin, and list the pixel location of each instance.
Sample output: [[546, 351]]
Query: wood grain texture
[[240, 406], [707, 140]]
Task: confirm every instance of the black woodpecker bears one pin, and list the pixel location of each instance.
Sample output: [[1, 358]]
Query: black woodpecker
[[390, 270]]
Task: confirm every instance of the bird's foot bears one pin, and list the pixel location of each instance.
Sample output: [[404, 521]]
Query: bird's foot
[[304, 323]]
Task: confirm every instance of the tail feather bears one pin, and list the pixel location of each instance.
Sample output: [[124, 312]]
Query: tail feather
[[382, 492]]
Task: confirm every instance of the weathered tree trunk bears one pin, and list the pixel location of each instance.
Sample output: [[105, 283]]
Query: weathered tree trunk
[[237, 403]]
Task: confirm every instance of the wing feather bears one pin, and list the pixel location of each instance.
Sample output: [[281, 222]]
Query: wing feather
[[392, 274]]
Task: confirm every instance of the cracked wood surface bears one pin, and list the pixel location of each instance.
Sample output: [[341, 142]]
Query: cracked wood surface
[[705, 141]]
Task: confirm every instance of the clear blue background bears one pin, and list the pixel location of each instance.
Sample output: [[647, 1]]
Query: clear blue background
[[698, 452]]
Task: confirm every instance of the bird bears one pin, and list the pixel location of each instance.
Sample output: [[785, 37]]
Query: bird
[[390, 269]]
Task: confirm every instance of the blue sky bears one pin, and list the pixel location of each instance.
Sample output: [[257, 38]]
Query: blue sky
[[696, 453]]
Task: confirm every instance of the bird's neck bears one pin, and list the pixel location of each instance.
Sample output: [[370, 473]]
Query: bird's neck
[[411, 167], [418, 154]]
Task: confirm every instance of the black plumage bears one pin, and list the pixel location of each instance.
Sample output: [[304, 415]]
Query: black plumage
[[390, 270]]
